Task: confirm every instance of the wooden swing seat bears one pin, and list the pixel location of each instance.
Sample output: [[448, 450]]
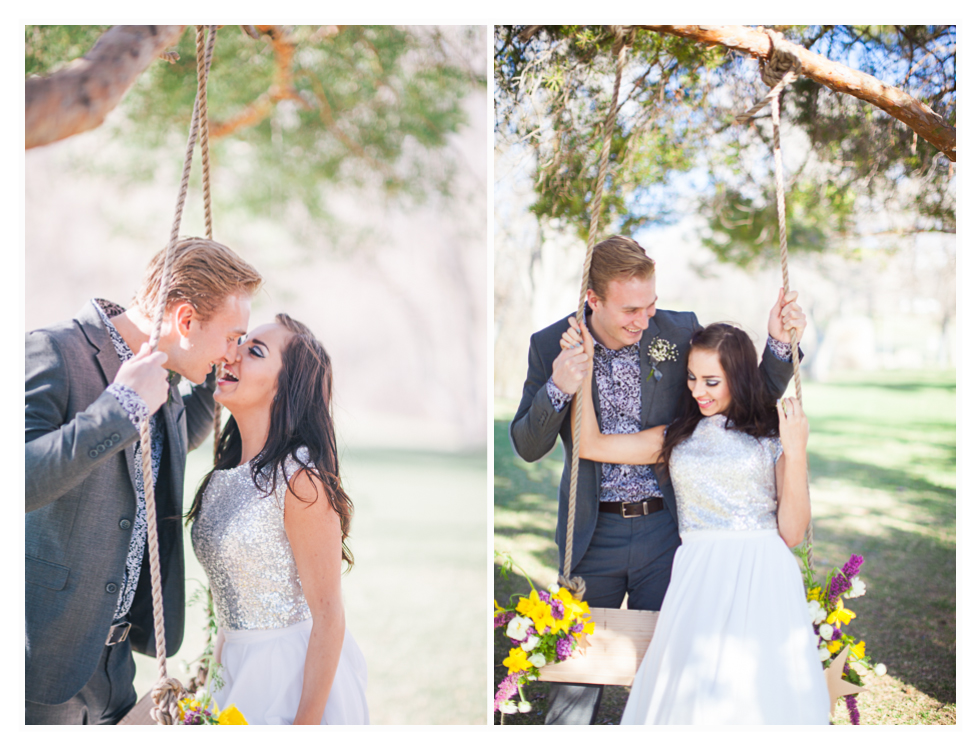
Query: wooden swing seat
[[615, 652]]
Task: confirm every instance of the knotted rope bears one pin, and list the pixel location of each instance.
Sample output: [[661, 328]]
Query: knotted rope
[[624, 38], [167, 691], [781, 69]]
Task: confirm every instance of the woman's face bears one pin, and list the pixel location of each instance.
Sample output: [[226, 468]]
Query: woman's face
[[708, 382], [251, 380]]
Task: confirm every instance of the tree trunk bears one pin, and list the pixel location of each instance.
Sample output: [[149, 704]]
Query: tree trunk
[[753, 41], [79, 97]]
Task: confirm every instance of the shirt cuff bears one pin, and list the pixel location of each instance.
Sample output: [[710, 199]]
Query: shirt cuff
[[131, 401], [781, 349], [556, 395]]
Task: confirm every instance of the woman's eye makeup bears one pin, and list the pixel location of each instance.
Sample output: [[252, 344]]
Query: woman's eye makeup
[[256, 351]]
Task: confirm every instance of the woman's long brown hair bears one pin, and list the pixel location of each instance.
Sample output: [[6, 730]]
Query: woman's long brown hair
[[300, 416], [752, 408]]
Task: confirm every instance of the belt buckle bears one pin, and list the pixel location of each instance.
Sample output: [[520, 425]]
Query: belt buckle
[[645, 508], [118, 633]]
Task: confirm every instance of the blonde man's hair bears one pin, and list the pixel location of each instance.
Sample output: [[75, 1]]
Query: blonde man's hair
[[617, 258], [204, 273]]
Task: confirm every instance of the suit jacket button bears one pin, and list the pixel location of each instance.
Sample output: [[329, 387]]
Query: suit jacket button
[[116, 438], [93, 453], [125, 524], [111, 588], [100, 447]]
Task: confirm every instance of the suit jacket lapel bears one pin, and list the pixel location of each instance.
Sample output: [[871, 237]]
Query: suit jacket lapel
[[648, 384]]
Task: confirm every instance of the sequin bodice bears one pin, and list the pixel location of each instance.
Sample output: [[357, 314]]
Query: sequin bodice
[[239, 539], [724, 479]]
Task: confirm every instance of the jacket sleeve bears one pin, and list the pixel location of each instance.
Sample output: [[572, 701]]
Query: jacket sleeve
[[59, 453], [199, 411], [776, 372], [536, 425]]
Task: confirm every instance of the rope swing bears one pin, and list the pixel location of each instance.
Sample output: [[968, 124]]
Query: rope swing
[[624, 38], [622, 637], [167, 691]]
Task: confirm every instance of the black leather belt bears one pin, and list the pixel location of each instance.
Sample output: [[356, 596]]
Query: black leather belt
[[118, 633], [634, 510]]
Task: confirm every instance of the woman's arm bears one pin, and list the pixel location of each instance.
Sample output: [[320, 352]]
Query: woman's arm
[[636, 448], [315, 535], [791, 476]]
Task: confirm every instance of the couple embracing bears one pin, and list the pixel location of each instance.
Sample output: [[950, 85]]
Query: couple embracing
[[269, 522], [691, 490]]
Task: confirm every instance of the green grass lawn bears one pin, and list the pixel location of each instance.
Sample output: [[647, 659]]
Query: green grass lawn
[[882, 463], [418, 536]]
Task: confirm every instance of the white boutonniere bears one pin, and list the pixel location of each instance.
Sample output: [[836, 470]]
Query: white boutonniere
[[660, 351]]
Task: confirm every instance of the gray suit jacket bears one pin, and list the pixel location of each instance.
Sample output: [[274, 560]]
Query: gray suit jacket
[[80, 505], [536, 424]]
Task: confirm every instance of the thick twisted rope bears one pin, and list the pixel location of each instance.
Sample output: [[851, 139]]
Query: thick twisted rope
[[576, 585], [167, 691], [781, 69]]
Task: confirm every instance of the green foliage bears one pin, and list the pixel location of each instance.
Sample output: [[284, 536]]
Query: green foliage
[[845, 158], [47, 48], [374, 107]]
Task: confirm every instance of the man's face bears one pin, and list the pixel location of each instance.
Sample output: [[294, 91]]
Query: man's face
[[203, 344], [621, 318]]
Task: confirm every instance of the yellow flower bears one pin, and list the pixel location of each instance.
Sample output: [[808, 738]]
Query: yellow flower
[[813, 593], [858, 650], [841, 614], [517, 660], [834, 646], [231, 715], [538, 611], [498, 609]]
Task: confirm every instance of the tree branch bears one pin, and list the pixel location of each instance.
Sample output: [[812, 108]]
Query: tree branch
[[753, 41], [79, 97]]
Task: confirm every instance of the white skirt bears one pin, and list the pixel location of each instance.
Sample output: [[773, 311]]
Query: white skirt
[[734, 643], [263, 669]]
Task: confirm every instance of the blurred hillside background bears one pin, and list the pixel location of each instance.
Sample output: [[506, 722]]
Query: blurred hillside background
[[360, 195], [871, 221]]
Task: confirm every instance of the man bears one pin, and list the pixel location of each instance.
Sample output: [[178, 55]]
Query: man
[[623, 544], [89, 384]]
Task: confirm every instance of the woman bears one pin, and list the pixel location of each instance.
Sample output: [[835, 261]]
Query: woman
[[269, 527], [734, 642]]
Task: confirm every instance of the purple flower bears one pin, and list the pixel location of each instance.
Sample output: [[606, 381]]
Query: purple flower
[[507, 688], [576, 628], [503, 619], [852, 567], [837, 586], [836, 633], [563, 648], [558, 609], [851, 706]]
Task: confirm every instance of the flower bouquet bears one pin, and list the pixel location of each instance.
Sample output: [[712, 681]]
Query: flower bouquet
[[829, 618], [543, 627]]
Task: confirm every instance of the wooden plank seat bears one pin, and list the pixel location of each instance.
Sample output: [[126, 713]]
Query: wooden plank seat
[[615, 652]]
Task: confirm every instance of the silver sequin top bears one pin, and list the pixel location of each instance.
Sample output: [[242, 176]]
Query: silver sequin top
[[239, 539], [724, 479]]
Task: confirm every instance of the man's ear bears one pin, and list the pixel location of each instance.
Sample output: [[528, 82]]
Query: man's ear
[[184, 314], [591, 298]]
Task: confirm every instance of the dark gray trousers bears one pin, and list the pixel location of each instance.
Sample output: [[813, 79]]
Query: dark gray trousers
[[625, 556], [105, 698]]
